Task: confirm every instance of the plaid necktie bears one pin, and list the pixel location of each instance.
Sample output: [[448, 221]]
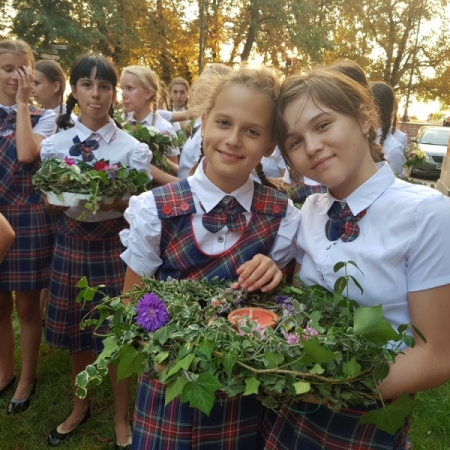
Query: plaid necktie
[[342, 223], [227, 212], [83, 148], [7, 119]]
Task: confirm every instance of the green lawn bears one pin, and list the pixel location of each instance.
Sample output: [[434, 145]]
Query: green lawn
[[52, 403]]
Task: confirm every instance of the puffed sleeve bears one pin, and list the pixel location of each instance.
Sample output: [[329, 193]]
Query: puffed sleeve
[[428, 257], [284, 248], [47, 124], [47, 148], [144, 236], [141, 158]]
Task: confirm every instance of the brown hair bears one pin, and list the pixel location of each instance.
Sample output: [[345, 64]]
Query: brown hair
[[184, 83], [351, 69], [17, 46], [384, 98], [54, 74], [335, 90]]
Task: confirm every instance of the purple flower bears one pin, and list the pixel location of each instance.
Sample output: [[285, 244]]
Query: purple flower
[[281, 299], [152, 313], [69, 161], [260, 329], [309, 332]]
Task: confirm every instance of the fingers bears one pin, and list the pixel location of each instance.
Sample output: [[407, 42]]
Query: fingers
[[259, 273], [25, 81]]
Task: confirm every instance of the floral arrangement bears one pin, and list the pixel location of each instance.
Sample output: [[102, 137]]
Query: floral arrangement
[[160, 143], [323, 345], [414, 157], [94, 181]]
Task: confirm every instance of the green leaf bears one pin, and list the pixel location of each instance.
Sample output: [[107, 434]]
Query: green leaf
[[351, 368], [340, 285], [201, 393], [229, 361], [174, 389], [369, 322], [109, 347], [91, 370], [251, 386], [182, 364], [357, 284], [273, 359], [125, 365], [382, 371], [160, 357], [318, 369], [83, 283], [207, 347], [419, 333], [82, 379], [355, 265], [164, 333], [318, 354], [338, 266], [81, 393], [391, 417], [301, 387]]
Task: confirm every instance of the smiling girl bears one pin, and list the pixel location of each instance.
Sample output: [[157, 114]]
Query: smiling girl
[[168, 236], [394, 231], [24, 269], [90, 247]]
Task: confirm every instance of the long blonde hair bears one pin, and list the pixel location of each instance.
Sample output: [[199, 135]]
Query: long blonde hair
[[149, 80], [17, 46]]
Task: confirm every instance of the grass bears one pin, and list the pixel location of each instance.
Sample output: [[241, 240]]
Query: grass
[[52, 403]]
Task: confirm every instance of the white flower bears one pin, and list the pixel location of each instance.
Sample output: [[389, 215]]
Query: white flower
[[153, 131], [75, 169]]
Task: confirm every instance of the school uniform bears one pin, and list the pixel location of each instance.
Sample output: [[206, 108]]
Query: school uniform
[[191, 150], [90, 247], [401, 137], [25, 266], [167, 238], [302, 189], [160, 124], [401, 248], [167, 115], [273, 164], [393, 151]]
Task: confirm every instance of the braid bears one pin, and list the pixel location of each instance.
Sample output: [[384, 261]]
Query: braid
[[394, 124], [64, 121], [265, 181], [111, 114], [194, 168], [385, 127], [155, 108], [61, 104]]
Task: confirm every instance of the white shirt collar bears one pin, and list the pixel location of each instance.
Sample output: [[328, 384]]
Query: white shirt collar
[[209, 194], [106, 132], [9, 108], [147, 121], [362, 197]]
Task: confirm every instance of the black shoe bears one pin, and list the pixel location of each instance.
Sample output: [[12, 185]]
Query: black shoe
[[18, 407], [55, 437], [8, 386]]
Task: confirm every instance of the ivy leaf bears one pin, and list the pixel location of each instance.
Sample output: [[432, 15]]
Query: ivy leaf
[[207, 347], [109, 347], [318, 354], [251, 386], [369, 322], [391, 417], [301, 387], [83, 283], [125, 366], [182, 364], [201, 393], [164, 333], [173, 390], [160, 357], [273, 359], [351, 368], [229, 361]]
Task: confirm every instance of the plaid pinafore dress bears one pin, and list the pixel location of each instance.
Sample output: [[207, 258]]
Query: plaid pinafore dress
[[25, 266], [234, 423]]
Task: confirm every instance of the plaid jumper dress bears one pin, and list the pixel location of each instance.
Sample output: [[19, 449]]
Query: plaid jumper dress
[[25, 266], [234, 423]]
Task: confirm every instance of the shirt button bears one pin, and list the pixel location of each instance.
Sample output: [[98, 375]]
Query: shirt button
[[276, 209], [259, 206], [184, 206], [166, 209], [227, 198], [220, 239]]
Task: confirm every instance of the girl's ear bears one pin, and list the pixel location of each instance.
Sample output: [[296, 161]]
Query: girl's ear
[[56, 86], [74, 91], [364, 121], [150, 95]]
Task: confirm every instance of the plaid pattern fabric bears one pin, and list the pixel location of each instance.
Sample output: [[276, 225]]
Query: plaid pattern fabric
[[299, 193], [7, 119], [342, 223], [234, 423], [324, 429], [179, 251], [25, 266], [16, 187], [90, 249], [227, 213]]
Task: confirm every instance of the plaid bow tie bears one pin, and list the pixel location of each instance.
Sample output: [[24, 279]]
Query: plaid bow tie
[[342, 223], [83, 148], [226, 212], [7, 119]]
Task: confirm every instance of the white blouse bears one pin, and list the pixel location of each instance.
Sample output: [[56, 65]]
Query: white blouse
[[273, 164], [144, 236], [393, 152], [191, 152], [402, 247], [45, 127], [115, 145]]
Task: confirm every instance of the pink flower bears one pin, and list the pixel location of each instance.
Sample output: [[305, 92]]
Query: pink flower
[[234, 286], [309, 332], [291, 338], [260, 329], [69, 161]]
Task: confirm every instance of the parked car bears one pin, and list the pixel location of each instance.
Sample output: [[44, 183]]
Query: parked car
[[433, 141]]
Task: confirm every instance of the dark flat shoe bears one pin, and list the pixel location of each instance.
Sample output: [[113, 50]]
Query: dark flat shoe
[[18, 407], [55, 438], [8, 386]]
